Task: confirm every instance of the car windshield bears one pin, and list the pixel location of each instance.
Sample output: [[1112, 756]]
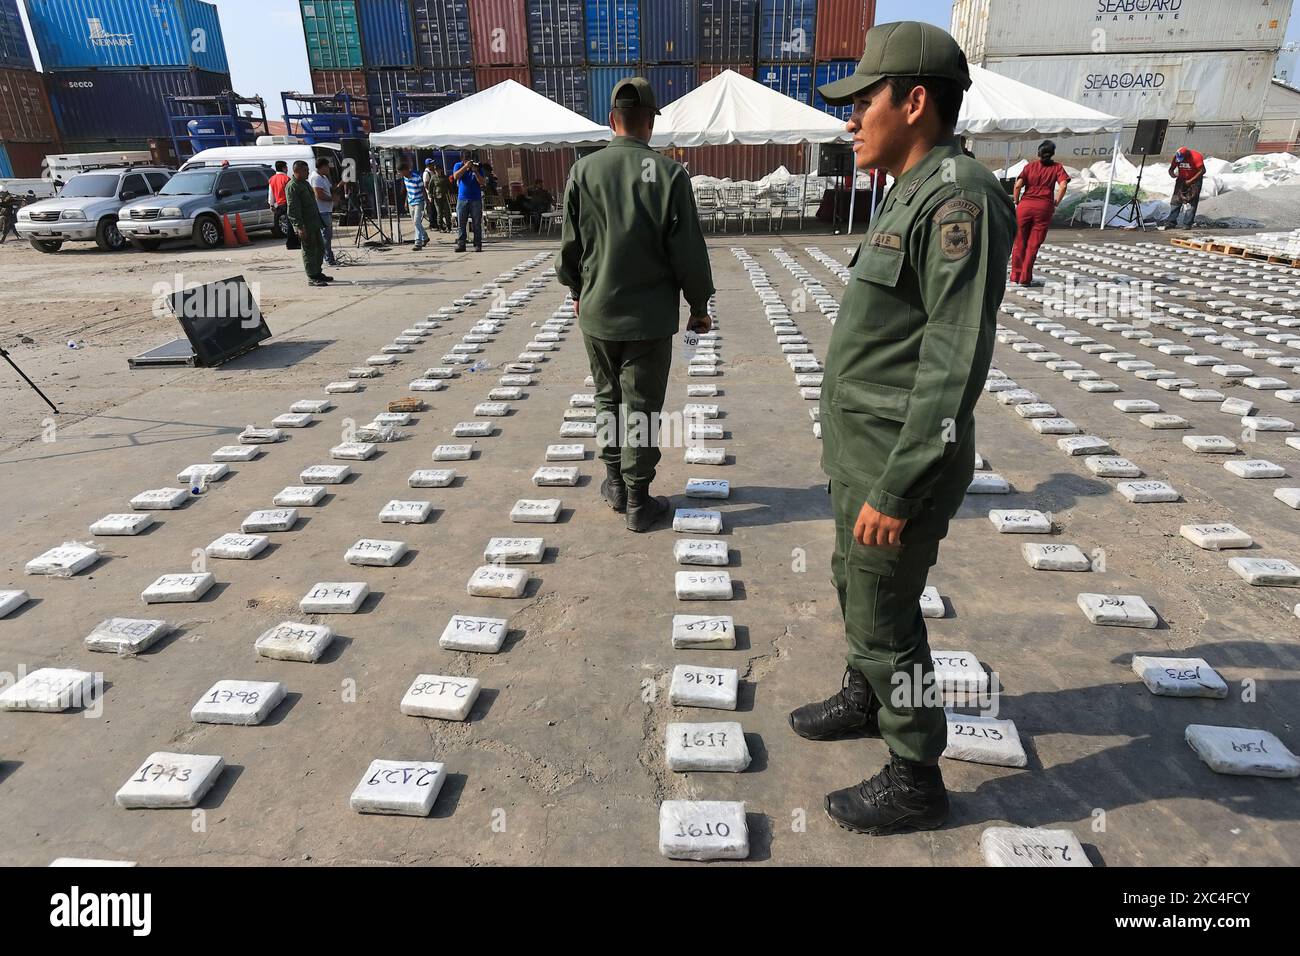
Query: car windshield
[[98, 187], [197, 182]]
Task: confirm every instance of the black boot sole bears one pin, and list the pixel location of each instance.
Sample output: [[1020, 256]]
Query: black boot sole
[[650, 525], [612, 499], [869, 728], [902, 826]]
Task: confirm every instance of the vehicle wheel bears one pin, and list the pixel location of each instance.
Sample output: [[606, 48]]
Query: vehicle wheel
[[47, 245], [207, 232], [107, 236], [146, 245]]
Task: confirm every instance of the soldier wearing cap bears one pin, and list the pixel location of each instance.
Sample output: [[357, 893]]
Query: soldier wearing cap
[[907, 359], [632, 247]]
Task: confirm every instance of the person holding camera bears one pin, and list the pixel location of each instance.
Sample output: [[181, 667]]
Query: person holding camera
[[468, 177]]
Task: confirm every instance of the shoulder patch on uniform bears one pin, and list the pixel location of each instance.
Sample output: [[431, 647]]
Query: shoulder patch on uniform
[[887, 240], [955, 240], [957, 204]]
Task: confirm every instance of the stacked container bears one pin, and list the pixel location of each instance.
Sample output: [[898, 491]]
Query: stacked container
[[1210, 77], [27, 130]]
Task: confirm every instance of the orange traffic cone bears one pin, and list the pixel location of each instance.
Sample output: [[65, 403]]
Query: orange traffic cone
[[240, 234], [228, 234]]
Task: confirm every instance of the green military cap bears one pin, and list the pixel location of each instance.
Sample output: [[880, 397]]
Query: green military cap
[[632, 92], [907, 48]]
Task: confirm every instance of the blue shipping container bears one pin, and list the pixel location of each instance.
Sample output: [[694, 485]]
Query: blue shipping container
[[794, 81], [829, 72], [387, 33], [15, 54], [566, 85], [78, 34], [669, 31], [6, 167], [727, 30], [442, 39], [556, 35], [601, 81], [123, 104], [786, 30], [613, 31], [670, 82]]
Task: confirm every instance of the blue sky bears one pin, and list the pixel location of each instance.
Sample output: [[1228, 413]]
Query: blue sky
[[267, 53]]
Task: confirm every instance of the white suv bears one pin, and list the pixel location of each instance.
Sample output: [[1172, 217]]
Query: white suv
[[86, 208]]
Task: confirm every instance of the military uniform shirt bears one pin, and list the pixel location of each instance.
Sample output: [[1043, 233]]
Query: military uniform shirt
[[914, 336], [303, 211]]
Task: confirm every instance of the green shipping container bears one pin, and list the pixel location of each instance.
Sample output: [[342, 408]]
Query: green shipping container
[[333, 34]]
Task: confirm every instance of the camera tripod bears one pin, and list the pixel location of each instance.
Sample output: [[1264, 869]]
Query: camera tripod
[[5, 355]]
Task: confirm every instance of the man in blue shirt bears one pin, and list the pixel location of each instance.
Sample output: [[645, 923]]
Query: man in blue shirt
[[415, 200], [469, 201]]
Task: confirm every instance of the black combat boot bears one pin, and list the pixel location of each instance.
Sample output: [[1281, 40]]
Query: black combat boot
[[853, 709], [903, 796], [613, 490], [644, 509]]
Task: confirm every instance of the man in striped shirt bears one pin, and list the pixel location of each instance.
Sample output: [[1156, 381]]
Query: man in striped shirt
[[415, 199]]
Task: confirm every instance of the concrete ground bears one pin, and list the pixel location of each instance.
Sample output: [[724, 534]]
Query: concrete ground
[[562, 759]]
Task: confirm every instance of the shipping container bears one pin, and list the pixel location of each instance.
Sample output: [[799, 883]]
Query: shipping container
[[613, 31], [352, 82], [794, 80], [1227, 141], [123, 104], [81, 34], [6, 168], [601, 81], [25, 115], [1028, 27], [709, 70], [15, 52], [551, 166], [829, 72], [486, 77], [382, 84], [740, 162], [728, 31], [566, 85], [27, 160], [498, 32], [670, 82], [442, 34], [387, 33], [786, 30], [556, 32], [842, 27], [1180, 87], [333, 33], [669, 31]]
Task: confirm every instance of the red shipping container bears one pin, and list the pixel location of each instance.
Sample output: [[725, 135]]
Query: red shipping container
[[352, 82], [551, 166], [709, 70], [498, 32], [740, 162], [486, 76], [28, 159], [842, 27], [25, 114]]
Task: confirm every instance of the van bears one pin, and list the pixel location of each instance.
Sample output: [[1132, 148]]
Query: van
[[269, 151]]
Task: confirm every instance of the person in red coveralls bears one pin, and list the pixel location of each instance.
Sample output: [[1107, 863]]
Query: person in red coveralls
[[1188, 169], [1039, 189]]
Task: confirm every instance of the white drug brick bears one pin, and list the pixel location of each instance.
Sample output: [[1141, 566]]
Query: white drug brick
[[1164, 421], [123, 635], [1288, 496], [270, 520], [373, 552], [12, 600], [50, 690], [292, 420], [1209, 444], [472, 429], [1054, 426], [492, 581], [160, 499], [536, 511], [291, 641], [988, 483], [1242, 751], [1132, 405], [547, 476], [578, 430], [400, 787], [446, 698], [708, 488], [1084, 445], [121, 524], [335, 388], [986, 740], [1036, 410], [1020, 521], [703, 830], [207, 472], [1215, 537], [1112, 467], [405, 512], [1266, 572], [236, 453], [1031, 846], [299, 496], [1055, 557], [1098, 385], [959, 673], [716, 746], [453, 452], [700, 455], [713, 687], [514, 550], [1147, 491], [1237, 407], [703, 585], [482, 635], [566, 452], [1119, 610], [170, 780], [354, 450], [260, 436], [697, 551], [1179, 677], [238, 547], [1254, 468], [178, 588], [932, 602], [431, 478], [1268, 423], [712, 631], [334, 597], [1200, 394], [692, 521], [241, 702], [325, 474], [311, 406]]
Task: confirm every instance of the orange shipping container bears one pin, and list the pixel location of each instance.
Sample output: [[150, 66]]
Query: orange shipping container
[[740, 162], [352, 82], [498, 31], [842, 27], [486, 76], [25, 115], [708, 71], [28, 159]]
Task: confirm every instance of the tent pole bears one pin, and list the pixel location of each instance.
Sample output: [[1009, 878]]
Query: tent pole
[[853, 195], [807, 169], [1105, 205]]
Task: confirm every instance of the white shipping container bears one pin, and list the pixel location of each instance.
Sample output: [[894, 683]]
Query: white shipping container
[[1222, 141], [1181, 87], [987, 28]]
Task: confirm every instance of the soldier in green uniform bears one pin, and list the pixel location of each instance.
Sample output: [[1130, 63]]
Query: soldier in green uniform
[[907, 359], [304, 216], [632, 246]]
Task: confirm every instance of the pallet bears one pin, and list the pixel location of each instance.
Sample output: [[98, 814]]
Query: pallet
[[1236, 250]]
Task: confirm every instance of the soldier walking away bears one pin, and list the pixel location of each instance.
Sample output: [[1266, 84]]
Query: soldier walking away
[[907, 358], [305, 219], [631, 247]]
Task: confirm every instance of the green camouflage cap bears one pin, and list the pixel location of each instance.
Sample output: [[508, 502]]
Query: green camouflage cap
[[906, 48], [632, 92]]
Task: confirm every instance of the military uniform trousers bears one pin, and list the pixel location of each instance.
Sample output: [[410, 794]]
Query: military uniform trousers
[[631, 378], [313, 251], [880, 593]]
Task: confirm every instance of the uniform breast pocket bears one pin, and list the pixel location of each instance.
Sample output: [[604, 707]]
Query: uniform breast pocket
[[875, 304]]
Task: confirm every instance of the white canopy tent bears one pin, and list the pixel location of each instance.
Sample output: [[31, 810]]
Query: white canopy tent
[[508, 116], [999, 108]]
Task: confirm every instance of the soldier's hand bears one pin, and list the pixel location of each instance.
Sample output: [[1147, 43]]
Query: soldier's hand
[[699, 323], [874, 529]]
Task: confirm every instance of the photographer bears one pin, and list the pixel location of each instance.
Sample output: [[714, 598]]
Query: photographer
[[469, 181]]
